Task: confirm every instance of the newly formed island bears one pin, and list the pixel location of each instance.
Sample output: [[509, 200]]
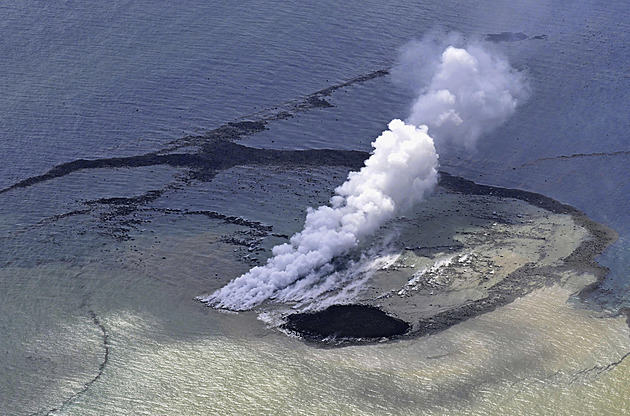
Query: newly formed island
[[467, 250]]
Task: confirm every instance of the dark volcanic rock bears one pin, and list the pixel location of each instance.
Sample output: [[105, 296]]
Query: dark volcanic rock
[[506, 37], [346, 321]]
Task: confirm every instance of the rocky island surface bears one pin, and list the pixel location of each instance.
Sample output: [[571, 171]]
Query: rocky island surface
[[467, 250]]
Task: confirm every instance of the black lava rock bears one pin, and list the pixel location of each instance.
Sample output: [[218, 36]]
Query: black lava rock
[[346, 322]]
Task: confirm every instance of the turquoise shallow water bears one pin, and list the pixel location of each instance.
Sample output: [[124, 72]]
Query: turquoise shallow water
[[125, 78]]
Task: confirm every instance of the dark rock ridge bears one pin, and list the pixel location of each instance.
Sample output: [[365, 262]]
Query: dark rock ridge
[[201, 166], [346, 323], [512, 37], [217, 150], [506, 37], [218, 155]]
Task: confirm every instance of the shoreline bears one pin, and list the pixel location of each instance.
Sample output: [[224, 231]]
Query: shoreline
[[516, 284], [584, 256]]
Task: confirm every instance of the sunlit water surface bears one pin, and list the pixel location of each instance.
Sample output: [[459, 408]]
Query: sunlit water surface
[[91, 325]]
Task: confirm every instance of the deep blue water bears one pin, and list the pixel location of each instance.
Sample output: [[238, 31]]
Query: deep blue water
[[123, 78]]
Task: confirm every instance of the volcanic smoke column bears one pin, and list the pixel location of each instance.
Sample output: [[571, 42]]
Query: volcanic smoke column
[[470, 93], [401, 170]]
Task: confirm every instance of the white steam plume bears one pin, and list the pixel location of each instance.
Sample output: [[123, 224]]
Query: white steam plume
[[470, 92], [401, 170]]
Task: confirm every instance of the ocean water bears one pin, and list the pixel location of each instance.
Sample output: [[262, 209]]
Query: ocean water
[[98, 317]]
